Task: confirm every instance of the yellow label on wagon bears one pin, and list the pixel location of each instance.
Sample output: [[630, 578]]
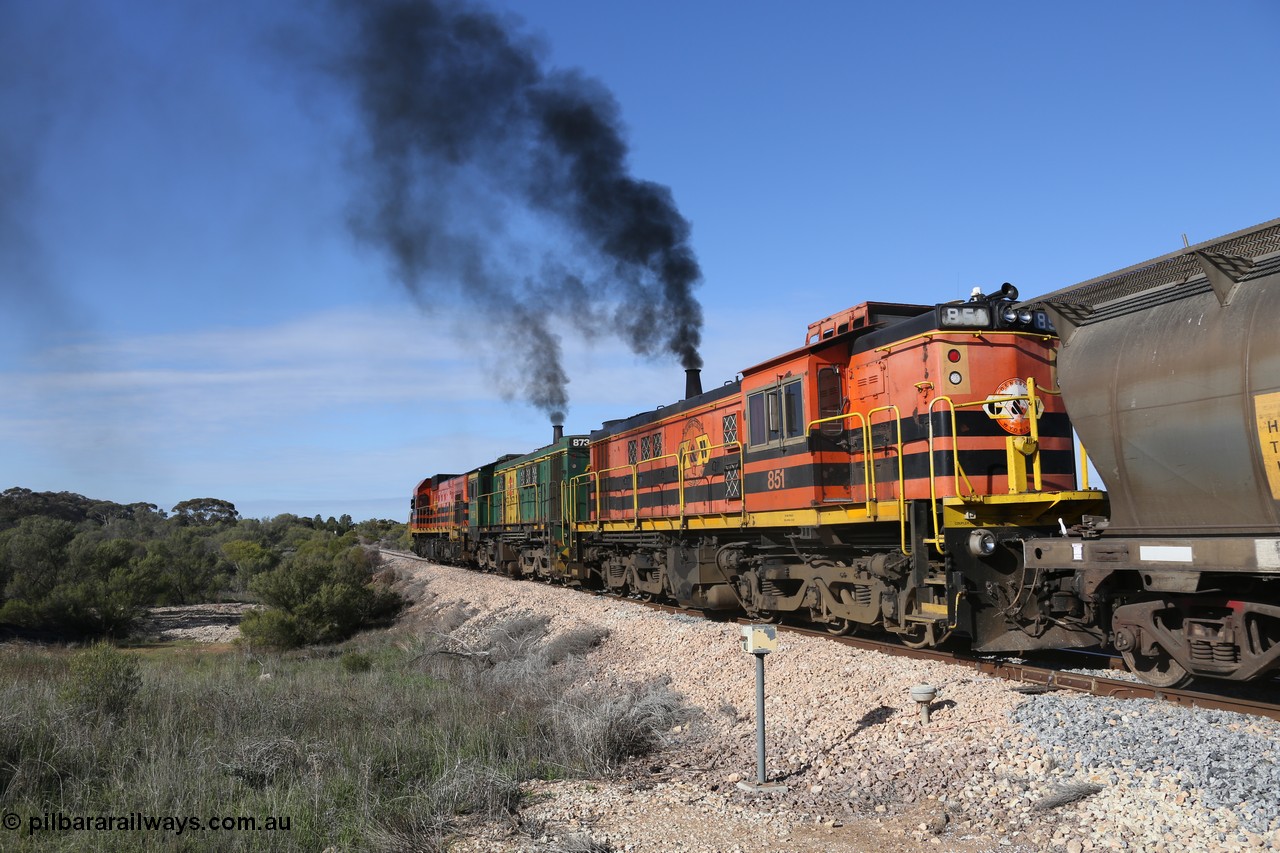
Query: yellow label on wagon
[[1267, 410]]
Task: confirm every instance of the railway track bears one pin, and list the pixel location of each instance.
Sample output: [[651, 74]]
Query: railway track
[[1244, 699]]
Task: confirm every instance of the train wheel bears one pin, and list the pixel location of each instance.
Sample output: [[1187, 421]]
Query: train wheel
[[766, 617], [922, 636], [916, 637], [840, 627], [1158, 670]]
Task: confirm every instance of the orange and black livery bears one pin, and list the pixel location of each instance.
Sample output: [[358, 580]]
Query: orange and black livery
[[912, 470], [839, 482]]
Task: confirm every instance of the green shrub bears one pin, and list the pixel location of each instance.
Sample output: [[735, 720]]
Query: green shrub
[[102, 680], [356, 662], [273, 629], [327, 592]]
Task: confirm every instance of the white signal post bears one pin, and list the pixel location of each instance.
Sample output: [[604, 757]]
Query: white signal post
[[759, 640]]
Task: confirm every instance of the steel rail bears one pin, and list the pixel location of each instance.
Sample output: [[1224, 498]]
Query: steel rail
[[1024, 673]]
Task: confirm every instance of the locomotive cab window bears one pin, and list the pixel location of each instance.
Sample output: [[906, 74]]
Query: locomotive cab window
[[793, 410], [776, 414], [758, 431]]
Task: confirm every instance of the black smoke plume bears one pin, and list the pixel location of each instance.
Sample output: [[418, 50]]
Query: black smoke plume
[[470, 146]]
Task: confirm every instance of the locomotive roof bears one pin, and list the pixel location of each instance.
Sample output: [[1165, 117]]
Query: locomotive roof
[[519, 458], [881, 323], [609, 428], [869, 321], [434, 481]]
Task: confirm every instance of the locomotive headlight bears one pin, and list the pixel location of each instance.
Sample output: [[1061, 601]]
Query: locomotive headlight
[[1025, 315], [1009, 315], [982, 543]]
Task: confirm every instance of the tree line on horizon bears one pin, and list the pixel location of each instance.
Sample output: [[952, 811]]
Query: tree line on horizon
[[73, 567]]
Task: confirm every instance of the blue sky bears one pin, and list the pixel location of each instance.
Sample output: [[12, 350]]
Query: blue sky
[[184, 312]]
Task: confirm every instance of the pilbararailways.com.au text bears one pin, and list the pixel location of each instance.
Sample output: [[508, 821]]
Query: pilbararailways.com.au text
[[139, 822]]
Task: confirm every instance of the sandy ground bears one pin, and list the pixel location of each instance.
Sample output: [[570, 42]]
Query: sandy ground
[[199, 623]]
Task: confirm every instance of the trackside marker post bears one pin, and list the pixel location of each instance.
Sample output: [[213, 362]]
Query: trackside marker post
[[759, 640]]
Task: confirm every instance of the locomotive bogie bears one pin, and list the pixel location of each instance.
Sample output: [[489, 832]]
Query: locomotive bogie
[[1179, 607]]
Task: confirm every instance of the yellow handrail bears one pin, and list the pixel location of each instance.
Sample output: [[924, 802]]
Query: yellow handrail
[[958, 472], [955, 448], [1034, 418], [537, 503], [679, 456], [490, 496], [585, 475], [742, 469], [902, 499], [635, 495], [868, 464], [1033, 407], [679, 478], [868, 470]]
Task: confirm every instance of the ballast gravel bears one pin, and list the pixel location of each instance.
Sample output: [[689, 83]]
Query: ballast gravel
[[994, 769]]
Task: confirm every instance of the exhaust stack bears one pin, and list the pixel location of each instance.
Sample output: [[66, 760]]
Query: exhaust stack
[[557, 432], [692, 382]]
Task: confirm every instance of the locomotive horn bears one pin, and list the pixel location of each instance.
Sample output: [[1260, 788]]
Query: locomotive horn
[[692, 382]]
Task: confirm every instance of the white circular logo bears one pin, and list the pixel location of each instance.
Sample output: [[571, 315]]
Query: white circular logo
[[1012, 414]]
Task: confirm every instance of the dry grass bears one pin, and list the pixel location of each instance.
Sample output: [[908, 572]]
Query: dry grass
[[420, 740]]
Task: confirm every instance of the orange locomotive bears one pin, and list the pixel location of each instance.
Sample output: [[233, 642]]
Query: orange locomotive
[[910, 470], [882, 476]]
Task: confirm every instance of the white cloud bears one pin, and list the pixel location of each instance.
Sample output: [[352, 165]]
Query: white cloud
[[327, 409]]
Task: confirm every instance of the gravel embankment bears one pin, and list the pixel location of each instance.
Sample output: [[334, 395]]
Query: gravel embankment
[[995, 770]]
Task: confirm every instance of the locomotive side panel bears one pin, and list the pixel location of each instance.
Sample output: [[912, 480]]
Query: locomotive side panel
[[665, 467], [779, 401], [420, 506], [981, 387], [939, 414], [527, 514]]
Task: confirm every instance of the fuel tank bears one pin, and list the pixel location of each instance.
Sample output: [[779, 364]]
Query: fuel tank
[[1170, 371]]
